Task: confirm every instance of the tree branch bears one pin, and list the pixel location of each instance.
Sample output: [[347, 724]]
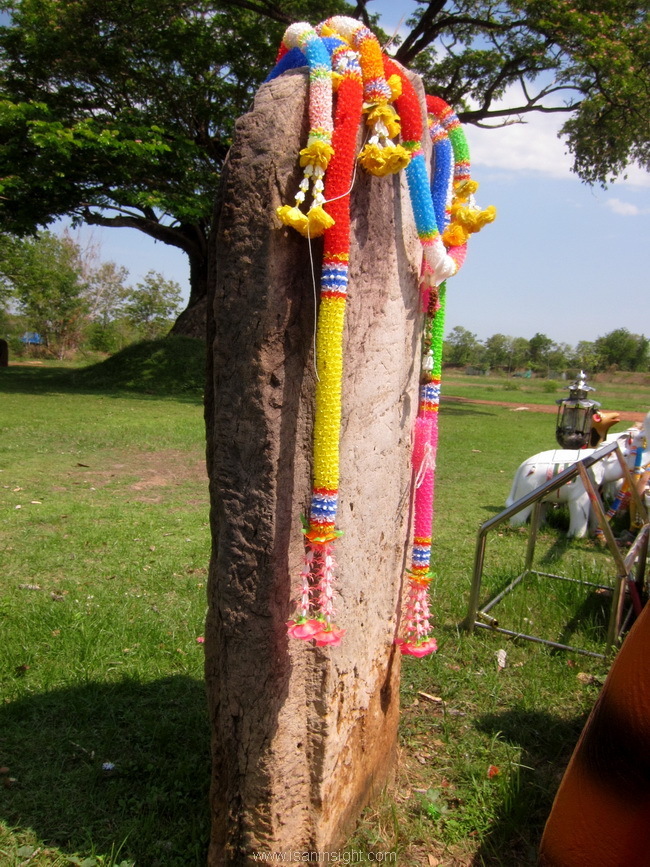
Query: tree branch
[[421, 31], [189, 238], [424, 33], [361, 12], [264, 8], [478, 115]]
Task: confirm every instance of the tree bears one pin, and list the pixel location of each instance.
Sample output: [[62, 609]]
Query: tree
[[622, 350], [558, 356], [120, 114], [6, 286], [153, 303], [520, 353], [584, 356], [46, 280], [498, 351], [539, 349], [106, 294], [588, 60], [106, 291], [462, 347]]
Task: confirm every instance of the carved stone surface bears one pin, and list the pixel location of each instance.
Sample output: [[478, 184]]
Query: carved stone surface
[[302, 735]]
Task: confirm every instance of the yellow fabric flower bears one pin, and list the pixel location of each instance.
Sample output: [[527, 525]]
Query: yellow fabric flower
[[472, 219], [389, 117], [487, 215], [395, 84], [454, 235], [319, 220], [462, 215], [317, 153], [294, 217], [398, 157], [384, 161], [464, 189]]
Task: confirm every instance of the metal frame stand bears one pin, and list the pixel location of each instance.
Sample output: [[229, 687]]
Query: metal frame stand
[[629, 569]]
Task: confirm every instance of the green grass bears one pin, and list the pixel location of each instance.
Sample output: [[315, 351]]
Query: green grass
[[104, 737], [624, 392], [105, 545], [524, 719]]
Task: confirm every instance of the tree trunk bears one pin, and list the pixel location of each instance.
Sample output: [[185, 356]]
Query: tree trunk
[[302, 735], [192, 321]]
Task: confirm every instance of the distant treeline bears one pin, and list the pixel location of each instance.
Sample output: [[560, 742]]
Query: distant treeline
[[617, 350]]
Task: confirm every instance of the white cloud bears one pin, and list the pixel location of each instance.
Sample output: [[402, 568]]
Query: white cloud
[[625, 209], [636, 177], [533, 147]]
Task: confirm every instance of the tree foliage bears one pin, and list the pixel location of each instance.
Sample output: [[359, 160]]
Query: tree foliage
[[589, 59], [152, 304], [622, 350], [106, 291], [498, 351], [46, 279], [618, 349], [71, 297], [121, 113], [462, 347]]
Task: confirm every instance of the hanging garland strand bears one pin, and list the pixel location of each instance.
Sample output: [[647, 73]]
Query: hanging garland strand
[[443, 255], [316, 605], [450, 185], [380, 155], [415, 626], [314, 158], [344, 53]]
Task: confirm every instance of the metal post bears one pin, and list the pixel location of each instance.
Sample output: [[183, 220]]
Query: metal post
[[618, 593], [535, 520], [475, 592], [638, 552]]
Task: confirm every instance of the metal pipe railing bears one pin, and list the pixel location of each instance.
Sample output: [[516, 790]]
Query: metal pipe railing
[[623, 565]]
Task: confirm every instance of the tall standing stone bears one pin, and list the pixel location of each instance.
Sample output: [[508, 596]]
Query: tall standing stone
[[302, 735]]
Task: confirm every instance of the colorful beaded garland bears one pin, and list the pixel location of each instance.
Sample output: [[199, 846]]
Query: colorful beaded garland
[[315, 157], [343, 54]]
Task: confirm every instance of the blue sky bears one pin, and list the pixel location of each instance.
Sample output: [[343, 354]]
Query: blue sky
[[562, 258]]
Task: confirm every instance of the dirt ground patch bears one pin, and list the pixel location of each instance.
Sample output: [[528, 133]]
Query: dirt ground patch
[[532, 407], [152, 471]]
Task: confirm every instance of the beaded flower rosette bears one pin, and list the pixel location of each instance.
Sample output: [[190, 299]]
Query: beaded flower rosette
[[350, 81]]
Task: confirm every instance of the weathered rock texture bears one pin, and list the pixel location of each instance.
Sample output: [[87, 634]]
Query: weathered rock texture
[[302, 735]]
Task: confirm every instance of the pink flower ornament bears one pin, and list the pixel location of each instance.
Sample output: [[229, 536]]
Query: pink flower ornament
[[418, 648], [322, 633], [330, 635], [304, 629]]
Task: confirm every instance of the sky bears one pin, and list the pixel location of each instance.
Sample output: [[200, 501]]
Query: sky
[[562, 258]]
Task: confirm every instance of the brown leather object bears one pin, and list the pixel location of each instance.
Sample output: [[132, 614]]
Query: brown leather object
[[601, 813]]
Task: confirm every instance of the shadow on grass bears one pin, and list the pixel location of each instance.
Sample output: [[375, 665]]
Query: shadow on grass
[[546, 743], [461, 406], [172, 367], [592, 615], [101, 766]]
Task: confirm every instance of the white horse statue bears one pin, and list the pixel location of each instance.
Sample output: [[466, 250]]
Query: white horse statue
[[539, 469]]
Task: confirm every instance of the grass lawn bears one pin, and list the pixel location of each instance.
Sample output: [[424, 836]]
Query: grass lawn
[[624, 392], [104, 737]]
